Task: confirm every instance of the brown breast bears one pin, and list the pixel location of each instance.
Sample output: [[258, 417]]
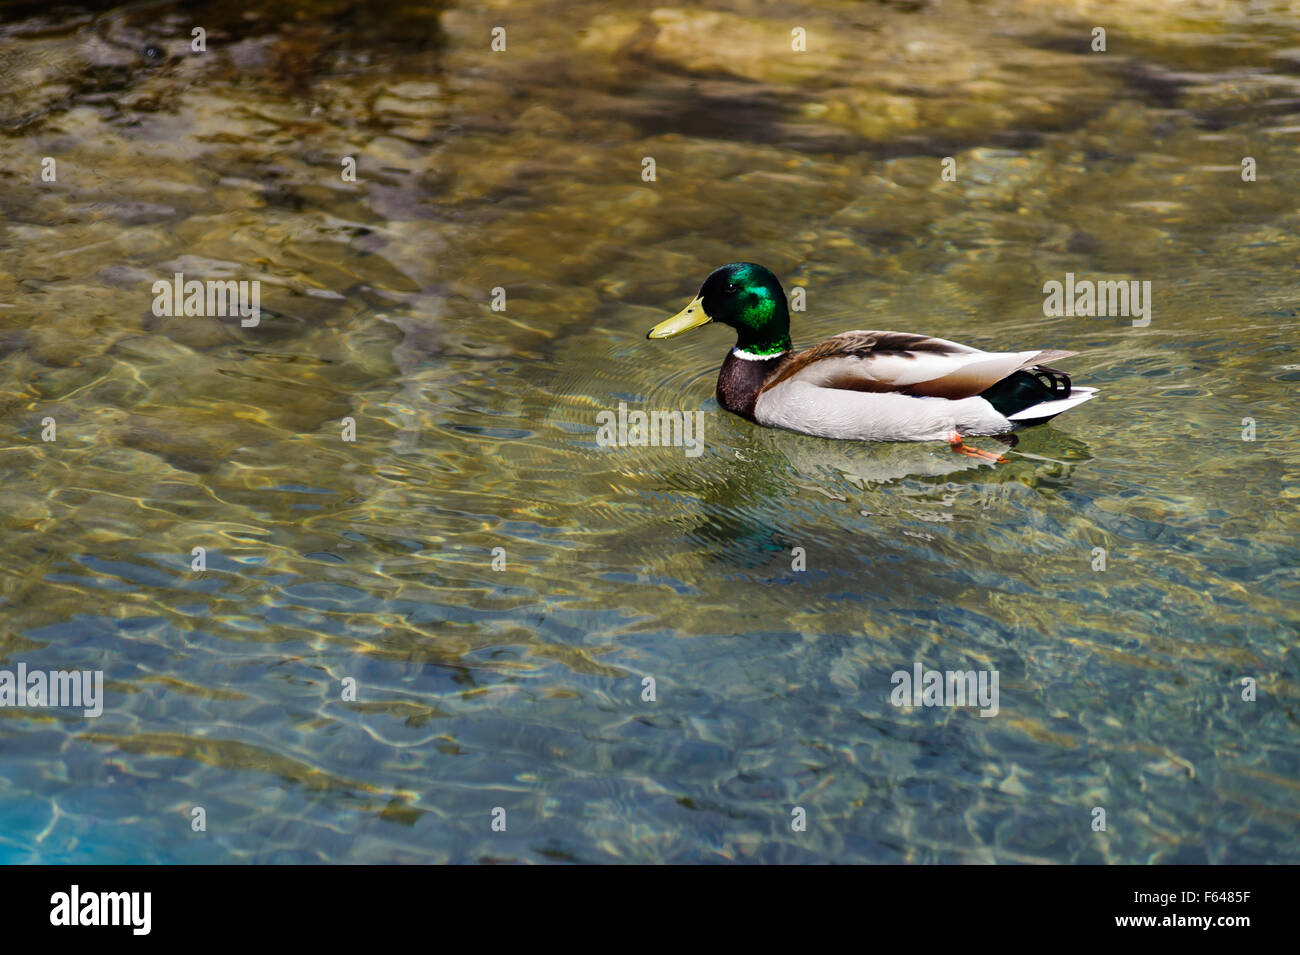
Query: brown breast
[[740, 380]]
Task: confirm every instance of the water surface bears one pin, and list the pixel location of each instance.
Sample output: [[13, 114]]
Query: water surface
[[521, 687]]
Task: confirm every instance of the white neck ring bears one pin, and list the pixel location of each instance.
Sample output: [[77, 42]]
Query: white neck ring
[[750, 356]]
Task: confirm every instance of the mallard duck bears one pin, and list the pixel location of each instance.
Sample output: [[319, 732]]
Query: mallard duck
[[867, 386]]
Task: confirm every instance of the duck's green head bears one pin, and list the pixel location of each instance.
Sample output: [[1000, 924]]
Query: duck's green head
[[745, 296]]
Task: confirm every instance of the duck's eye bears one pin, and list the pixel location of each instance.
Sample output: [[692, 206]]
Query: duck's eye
[[731, 288]]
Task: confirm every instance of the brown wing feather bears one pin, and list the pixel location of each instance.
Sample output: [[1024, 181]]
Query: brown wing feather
[[859, 345], [983, 370]]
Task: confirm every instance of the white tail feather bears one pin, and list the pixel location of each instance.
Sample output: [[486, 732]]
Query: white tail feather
[[1046, 409]]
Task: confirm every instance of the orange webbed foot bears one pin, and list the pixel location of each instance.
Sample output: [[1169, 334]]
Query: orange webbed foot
[[954, 440]]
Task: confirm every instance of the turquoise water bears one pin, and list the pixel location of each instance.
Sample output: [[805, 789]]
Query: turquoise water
[[520, 687]]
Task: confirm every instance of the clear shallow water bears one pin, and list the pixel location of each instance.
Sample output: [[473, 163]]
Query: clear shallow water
[[521, 688]]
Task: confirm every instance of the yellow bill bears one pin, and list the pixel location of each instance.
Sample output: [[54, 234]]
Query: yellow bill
[[692, 316]]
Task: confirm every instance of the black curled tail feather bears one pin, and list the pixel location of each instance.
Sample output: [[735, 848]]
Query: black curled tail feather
[[1026, 388]]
